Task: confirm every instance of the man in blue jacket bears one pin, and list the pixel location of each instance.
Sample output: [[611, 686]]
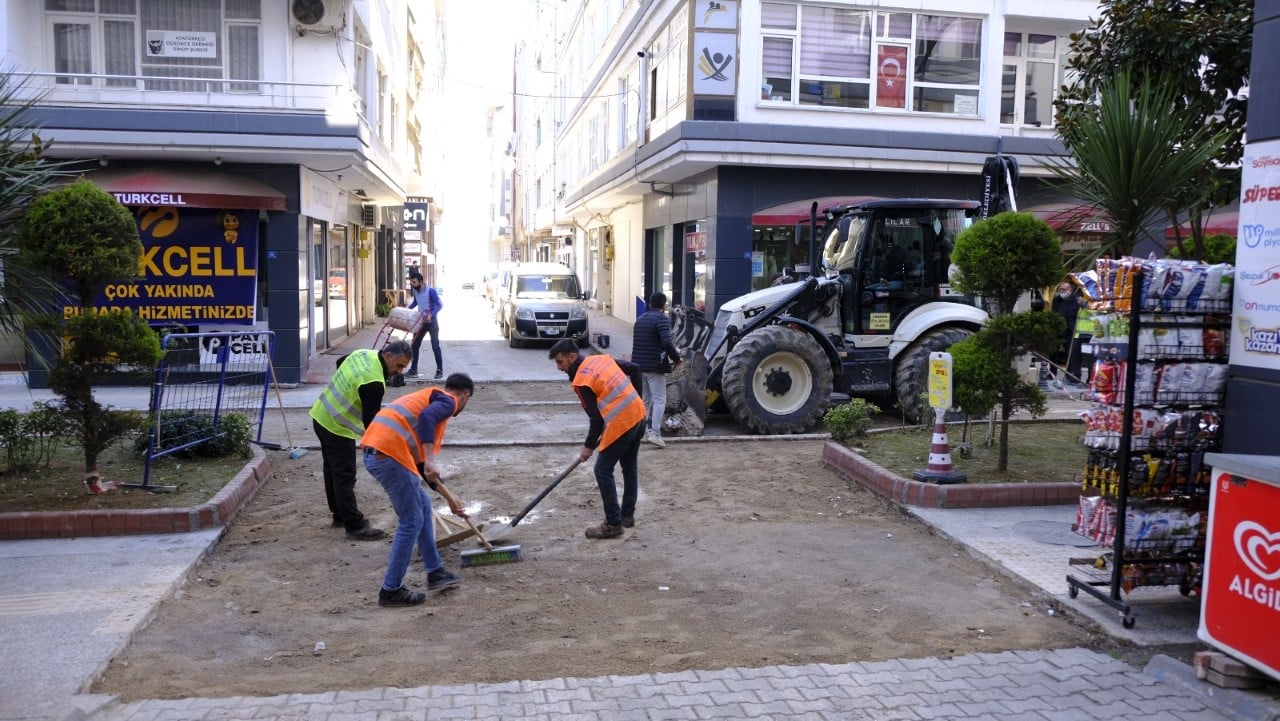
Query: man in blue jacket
[[653, 350], [427, 301]]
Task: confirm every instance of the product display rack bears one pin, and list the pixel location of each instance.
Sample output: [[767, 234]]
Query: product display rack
[[1170, 413]]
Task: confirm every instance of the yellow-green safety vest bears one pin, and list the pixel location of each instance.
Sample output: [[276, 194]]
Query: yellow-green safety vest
[[338, 408]]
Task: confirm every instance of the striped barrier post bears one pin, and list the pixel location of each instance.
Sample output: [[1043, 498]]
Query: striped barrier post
[[939, 469]]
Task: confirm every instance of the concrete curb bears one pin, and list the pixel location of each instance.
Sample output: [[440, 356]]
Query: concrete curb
[[887, 484], [217, 512], [1239, 705]]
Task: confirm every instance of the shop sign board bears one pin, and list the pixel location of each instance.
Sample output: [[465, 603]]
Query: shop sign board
[[1240, 609], [199, 267], [1255, 337]]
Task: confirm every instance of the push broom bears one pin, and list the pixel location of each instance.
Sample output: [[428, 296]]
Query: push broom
[[295, 452], [490, 555]]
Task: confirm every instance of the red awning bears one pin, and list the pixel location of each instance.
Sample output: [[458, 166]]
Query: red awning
[[1072, 218], [1221, 222], [187, 188], [789, 214]]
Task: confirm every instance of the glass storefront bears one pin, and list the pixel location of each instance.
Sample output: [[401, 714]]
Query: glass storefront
[[330, 299], [775, 248], [336, 296]]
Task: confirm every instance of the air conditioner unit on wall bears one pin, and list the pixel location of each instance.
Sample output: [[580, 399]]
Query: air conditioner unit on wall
[[368, 215], [319, 16]]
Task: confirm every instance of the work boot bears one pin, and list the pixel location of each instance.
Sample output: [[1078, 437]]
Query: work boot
[[628, 521], [367, 533], [400, 597], [440, 579], [605, 530], [439, 374]]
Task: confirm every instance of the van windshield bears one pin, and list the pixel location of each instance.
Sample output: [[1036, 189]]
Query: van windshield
[[551, 287]]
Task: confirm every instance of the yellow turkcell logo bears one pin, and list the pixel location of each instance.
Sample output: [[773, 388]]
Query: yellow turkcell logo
[[159, 222]]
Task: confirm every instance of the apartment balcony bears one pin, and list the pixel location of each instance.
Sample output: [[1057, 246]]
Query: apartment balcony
[[184, 118]]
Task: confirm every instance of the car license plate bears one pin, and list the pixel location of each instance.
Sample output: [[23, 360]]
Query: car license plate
[[550, 330]]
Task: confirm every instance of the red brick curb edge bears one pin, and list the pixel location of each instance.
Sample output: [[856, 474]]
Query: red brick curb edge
[[885, 483], [217, 512]]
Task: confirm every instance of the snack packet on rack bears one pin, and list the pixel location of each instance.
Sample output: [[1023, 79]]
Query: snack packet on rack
[[1168, 383], [1156, 341], [1218, 282], [1197, 276], [1215, 382], [1193, 388], [1190, 335], [1142, 428], [1087, 282], [1144, 384], [1122, 288], [1214, 340]]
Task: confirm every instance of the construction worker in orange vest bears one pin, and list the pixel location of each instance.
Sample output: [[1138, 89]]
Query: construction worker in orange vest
[[609, 391], [400, 448]]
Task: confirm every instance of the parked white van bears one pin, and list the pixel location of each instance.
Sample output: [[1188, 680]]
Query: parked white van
[[542, 302]]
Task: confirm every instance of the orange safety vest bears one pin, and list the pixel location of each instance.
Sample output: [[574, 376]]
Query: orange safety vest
[[394, 431], [620, 405]]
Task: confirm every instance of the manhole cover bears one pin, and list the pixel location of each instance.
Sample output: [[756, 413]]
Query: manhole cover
[[1052, 532]]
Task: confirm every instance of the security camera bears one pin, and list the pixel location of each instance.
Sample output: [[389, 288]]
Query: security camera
[[640, 54]]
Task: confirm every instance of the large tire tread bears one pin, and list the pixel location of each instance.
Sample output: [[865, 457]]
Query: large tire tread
[[739, 371], [911, 371]]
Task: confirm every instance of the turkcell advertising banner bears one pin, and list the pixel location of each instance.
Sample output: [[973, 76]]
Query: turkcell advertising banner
[[1254, 340], [198, 267]]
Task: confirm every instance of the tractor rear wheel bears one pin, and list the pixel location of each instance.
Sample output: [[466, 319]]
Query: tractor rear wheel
[[911, 371], [777, 380]]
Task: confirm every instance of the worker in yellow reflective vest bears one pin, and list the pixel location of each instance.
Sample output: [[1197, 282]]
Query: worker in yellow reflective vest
[[339, 416], [609, 391]]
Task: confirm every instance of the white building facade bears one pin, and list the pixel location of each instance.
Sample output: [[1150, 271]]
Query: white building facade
[[688, 134], [295, 130]]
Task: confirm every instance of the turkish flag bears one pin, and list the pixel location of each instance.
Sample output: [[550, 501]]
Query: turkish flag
[[891, 77]]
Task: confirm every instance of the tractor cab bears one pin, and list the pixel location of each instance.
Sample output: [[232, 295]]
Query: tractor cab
[[891, 257]]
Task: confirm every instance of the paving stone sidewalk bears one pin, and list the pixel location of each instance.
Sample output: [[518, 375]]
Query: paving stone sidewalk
[[1056, 685]]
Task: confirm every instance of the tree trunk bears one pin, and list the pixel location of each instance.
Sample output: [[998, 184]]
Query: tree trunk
[[1006, 410]]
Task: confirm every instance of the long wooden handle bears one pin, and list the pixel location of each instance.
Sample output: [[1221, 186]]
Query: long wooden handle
[[520, 516]]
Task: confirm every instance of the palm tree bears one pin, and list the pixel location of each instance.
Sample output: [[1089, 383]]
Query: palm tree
[[1133, 156], [25, 174]]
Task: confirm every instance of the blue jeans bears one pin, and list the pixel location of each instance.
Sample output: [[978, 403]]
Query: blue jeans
[[431, 328], [417, 525], [623, 451]]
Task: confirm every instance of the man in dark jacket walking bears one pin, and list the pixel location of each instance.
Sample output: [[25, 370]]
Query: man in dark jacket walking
[[653, 350]]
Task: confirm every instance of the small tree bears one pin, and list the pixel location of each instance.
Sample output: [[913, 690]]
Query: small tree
[[1135, 156], [1002, 258], [1202, 50], [81, 234]]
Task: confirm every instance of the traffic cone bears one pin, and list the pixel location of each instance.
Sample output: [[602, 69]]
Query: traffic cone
[[939, 469]]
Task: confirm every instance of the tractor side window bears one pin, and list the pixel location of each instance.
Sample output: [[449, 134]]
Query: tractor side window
[[844, 242], [940, 235], [893, 239]]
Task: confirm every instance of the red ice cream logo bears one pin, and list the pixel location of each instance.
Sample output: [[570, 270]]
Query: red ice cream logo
[[1259, 549]]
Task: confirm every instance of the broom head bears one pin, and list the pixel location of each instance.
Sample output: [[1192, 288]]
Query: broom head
[[490, 556]]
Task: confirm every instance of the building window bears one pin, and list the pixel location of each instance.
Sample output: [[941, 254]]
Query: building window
[[175, 45], [779, 58], [947, 64], [1032, 72], [360, 73], [870, 59]]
